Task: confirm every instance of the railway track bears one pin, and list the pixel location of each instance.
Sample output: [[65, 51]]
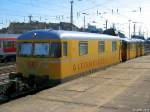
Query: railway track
[[6, 63], [5, 70], [5, 83]]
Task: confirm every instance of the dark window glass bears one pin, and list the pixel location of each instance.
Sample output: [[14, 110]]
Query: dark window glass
[[9, 44], [114, 45], [55, 50], [101, 46], [65, 49], [83, 48]]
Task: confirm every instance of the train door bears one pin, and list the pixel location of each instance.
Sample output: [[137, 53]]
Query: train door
[[124, 51]]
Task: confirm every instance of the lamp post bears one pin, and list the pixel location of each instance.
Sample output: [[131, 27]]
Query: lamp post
[[45, 24], [134, 28], [129, 28], [84, 20], [71, 13]]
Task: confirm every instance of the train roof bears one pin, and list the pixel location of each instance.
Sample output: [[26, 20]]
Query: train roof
[[132, 40], [66, 35], [9, 36]]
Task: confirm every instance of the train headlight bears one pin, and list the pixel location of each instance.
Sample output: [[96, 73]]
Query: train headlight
[[35, 34]]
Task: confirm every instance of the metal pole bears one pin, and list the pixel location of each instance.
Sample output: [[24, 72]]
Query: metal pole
[[140, 31], [71, 14], [30, 18], [134, 27], [129, 29], [84, 22], [106, 24], [113, 25]]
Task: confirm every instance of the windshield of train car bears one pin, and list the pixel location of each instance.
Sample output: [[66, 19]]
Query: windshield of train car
[[25, 49], [55, 50], [52, 49], [41, 49]]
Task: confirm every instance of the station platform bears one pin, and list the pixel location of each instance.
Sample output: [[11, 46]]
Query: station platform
[[124, 87]]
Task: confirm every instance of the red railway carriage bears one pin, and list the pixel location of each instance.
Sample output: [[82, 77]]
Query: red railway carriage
[[8, 46]]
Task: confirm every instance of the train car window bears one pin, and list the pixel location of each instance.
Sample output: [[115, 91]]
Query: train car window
[[65, 49], [14, 44], [114, 45], [55, 50], [25, 49], [83, 48], [101, 46], [41, 49], [9, 44]]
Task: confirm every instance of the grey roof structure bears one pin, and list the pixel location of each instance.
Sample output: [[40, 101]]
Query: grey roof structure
[[66, 35]]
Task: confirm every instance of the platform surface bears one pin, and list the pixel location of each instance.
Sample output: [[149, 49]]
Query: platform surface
[[121, 88]]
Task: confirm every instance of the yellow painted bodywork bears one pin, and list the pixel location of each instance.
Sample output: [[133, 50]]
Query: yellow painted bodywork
[[73, 63], [134, 50]]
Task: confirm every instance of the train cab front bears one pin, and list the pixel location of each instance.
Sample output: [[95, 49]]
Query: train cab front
[[39, 62]]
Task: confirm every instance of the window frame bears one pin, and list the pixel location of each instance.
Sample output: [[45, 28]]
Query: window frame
[[11, 42], [33, 51], [60, 43], [100, 44], [114, 46], [83, 42], [19, 49]]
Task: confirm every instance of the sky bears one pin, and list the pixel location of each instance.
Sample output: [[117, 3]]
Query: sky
[[117, 12]]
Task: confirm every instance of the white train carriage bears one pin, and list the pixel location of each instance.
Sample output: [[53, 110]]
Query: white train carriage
[[8, 46]]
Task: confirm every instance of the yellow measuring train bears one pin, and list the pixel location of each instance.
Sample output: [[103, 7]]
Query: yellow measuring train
[[62, 55]]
